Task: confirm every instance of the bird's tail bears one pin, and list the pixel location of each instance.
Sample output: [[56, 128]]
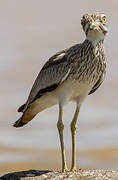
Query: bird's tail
[[19, 123], [27, 116]]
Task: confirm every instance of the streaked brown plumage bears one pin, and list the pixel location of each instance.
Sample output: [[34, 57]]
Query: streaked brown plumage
[[69, 75]]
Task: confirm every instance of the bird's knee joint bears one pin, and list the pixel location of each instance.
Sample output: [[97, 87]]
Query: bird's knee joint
[[60, 126], [73, 127]]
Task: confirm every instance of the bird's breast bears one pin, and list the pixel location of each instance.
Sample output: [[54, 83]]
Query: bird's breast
[[90, 68]]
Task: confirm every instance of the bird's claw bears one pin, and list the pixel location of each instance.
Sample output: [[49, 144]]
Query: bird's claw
[[74, 169]]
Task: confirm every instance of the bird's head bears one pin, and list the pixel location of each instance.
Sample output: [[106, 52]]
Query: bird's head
[[94, 26]]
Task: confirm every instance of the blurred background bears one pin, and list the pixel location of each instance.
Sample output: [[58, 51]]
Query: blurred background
[[30, 32]]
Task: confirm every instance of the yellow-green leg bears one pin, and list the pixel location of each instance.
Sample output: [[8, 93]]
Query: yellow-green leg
[[60, 127], [73, 133]]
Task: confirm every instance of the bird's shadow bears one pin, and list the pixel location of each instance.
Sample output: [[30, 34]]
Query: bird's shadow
[[20, 174]]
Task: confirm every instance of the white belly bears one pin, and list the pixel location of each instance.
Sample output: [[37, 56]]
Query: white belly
[[76, 91], [66, 92]]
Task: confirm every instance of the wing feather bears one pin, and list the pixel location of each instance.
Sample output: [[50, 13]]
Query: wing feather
[[51, 75], [96, 86]]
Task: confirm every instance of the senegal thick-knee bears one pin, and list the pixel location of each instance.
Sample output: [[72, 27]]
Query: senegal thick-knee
[[69, 75]]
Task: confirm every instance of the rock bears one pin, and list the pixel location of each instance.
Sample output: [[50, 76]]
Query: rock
[[44, 175], [21, 174]]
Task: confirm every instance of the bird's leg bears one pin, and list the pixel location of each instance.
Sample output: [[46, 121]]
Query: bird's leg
[[60, 127], [73, 133]]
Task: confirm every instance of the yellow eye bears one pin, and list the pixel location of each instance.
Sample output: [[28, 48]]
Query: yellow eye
[[104, 19]]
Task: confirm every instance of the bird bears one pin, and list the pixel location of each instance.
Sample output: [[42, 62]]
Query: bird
[[70, 75]]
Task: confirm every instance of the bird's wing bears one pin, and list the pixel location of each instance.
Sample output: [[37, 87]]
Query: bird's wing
[[54, 72], [96, 86]]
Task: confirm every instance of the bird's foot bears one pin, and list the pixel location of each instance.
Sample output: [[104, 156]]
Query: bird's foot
[[65, 169], [73, 169]]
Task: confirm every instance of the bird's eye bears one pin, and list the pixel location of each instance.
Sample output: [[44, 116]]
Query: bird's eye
[[104, 19]]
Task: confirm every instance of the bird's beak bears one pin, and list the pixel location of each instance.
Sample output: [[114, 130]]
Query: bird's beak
[[93, 26]]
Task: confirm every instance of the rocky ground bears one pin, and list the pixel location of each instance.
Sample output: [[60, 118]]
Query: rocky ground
[[46, 175]]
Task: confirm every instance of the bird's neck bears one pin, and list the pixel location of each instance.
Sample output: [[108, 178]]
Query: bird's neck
[[95, 42], [89, 46], [95, 37]]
